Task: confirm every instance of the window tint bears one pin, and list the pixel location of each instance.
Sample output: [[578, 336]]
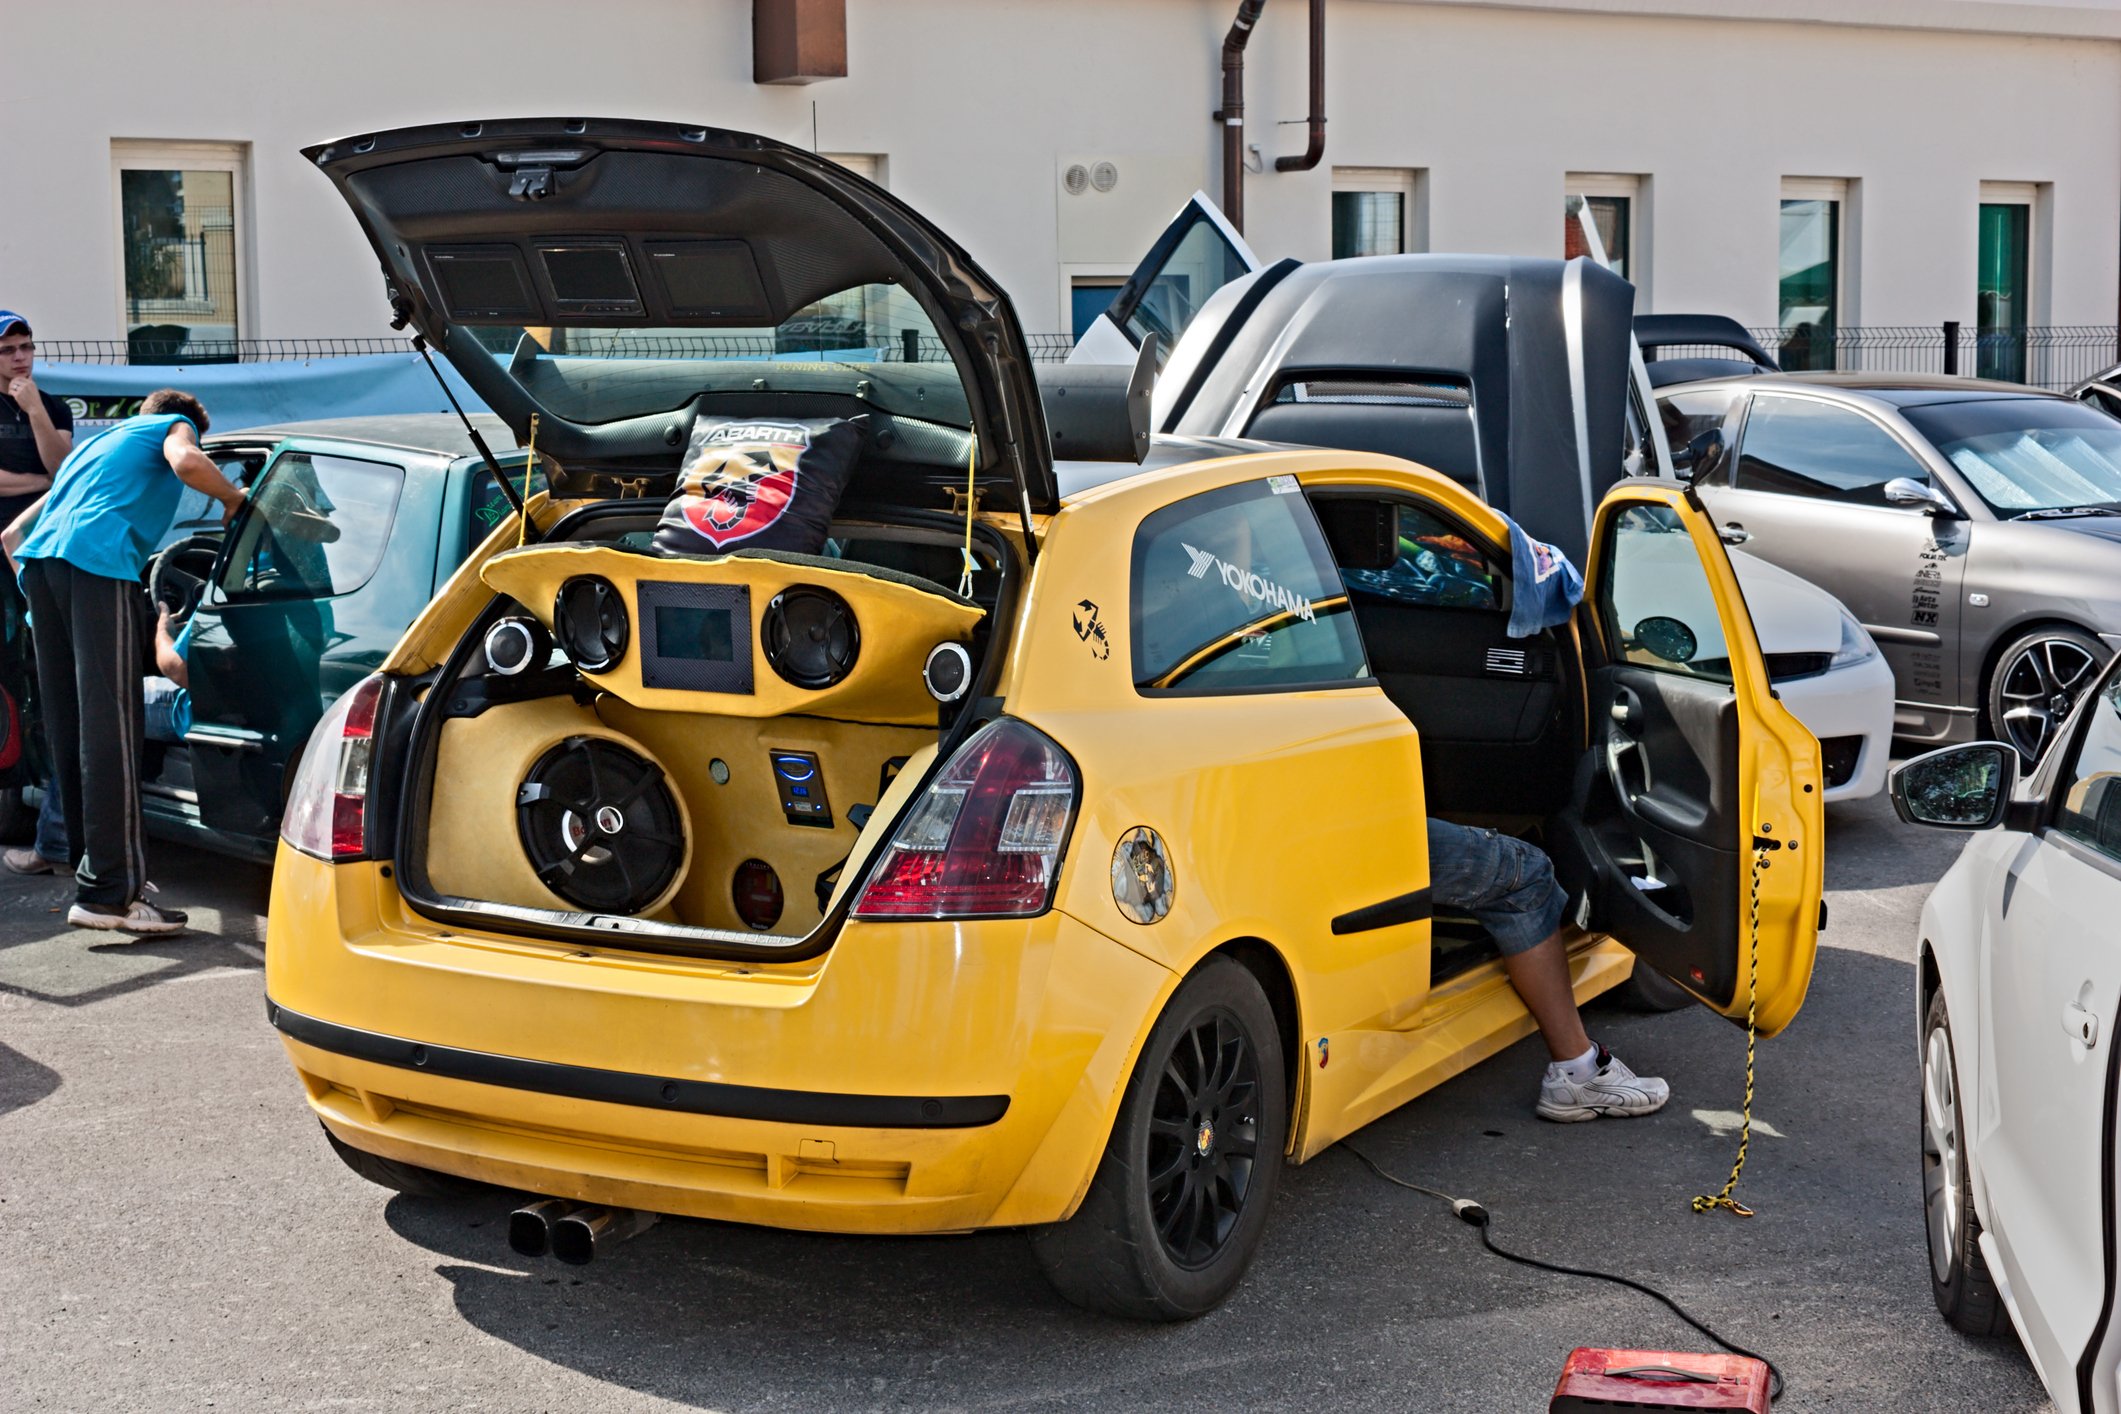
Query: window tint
[[1688, 415], [1235, 589], [2091, 799], [1655, 597], [1806, 448], [489, 504], [1437, 568], [316, 527]]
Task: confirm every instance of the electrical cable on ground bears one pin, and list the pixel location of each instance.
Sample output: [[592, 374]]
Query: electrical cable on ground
[[1704, 1202], [1472, 1213]]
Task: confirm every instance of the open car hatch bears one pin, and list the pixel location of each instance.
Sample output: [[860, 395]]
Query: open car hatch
[[616, 278]]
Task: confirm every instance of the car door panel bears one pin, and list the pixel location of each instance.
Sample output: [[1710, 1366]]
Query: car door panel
[[1797, 498], [1694, 832]]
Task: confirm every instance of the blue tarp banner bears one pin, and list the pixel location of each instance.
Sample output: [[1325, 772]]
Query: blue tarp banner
[[239, 395]]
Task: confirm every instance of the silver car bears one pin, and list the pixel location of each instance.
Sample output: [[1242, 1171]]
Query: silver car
[[1973, 528]]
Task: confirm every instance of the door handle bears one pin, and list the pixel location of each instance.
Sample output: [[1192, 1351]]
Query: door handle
[[2081, 1024], [1733, 533]]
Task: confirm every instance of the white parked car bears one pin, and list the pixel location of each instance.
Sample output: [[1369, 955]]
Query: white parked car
[[2020, 996]]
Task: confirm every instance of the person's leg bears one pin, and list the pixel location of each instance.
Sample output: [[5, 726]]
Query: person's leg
[[51, 827], [1510, 887], [1541, 976], [107, 831], [51, 625]]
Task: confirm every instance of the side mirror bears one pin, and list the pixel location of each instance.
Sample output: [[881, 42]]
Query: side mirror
[[1907, 491], [1701, 456], [1958, 788]]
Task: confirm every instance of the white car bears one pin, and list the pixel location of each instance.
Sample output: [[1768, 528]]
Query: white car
[[2020, 995]]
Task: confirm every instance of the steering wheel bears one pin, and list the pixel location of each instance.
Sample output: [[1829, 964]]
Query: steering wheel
[[177, 575]]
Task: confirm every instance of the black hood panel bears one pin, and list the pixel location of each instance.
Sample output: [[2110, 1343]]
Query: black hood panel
[[602, 223]]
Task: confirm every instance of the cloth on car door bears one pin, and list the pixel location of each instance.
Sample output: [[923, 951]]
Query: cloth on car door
[[1545, 587]]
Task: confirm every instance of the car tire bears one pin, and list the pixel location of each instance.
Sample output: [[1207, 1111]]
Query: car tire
[[1166, 1231], [2038, 677], [409, 1179], [1959, 1276], [1648, 990]]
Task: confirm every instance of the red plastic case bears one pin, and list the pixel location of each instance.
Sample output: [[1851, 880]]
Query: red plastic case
[[1597, 1380]]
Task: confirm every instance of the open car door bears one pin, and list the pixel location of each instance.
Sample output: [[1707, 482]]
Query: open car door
[[1696, 833], [1197, 254]]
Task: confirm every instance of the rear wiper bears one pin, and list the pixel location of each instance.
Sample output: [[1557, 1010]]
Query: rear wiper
[[2059, 512]]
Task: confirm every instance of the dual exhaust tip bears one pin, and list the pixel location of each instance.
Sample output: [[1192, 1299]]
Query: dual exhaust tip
[[573, 1232]]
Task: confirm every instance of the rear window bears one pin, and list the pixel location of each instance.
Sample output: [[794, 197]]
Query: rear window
[[1235, 590], [489, 503]]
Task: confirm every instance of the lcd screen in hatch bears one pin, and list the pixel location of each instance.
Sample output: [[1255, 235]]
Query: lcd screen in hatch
[[698, 635]]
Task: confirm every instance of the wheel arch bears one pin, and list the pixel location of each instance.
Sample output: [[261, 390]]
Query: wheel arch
[[2004, 636], [1267, 966]]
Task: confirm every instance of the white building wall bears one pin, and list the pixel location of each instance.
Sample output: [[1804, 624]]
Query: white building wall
[[975, 102]]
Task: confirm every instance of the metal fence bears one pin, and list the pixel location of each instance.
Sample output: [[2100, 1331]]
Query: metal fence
[[145, 348], [2047, 356]]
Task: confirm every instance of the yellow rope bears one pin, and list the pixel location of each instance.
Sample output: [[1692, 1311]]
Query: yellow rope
[[964, 583], [1703, 1203], [530, 460]]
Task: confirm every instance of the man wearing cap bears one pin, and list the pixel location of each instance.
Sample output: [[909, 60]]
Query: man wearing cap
[[36, 429], [80, 551]]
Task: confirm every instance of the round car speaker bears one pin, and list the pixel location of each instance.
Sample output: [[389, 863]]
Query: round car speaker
[[589, 618], [810, 636], [516, 643], [948, 672], [600, 826]]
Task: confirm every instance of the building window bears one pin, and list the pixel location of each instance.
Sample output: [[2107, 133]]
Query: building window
[[181, 234], [863, 164], [2003, 283], [1088, 297], [1809, 280], [1613, 203], [1377, 211]]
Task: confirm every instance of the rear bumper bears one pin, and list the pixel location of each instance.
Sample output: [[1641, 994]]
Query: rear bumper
[[919, 1077]]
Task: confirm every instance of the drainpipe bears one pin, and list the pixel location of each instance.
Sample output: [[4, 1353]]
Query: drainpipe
[[1232, 113], [1316, 148]]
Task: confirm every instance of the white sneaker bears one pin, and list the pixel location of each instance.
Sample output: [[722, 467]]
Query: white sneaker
[[139, 918], [1614, 1090]]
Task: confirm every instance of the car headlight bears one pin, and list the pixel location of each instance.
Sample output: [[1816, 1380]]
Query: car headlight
[[1856, 645]]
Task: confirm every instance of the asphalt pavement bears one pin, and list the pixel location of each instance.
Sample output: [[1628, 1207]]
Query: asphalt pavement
[[174, 1234]]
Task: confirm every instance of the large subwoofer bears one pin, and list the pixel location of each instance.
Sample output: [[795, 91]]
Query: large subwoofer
[[600, 826]]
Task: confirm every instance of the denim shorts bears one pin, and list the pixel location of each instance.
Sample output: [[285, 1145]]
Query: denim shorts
[[1505, 883]]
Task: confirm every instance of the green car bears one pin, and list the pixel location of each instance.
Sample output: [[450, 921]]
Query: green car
[[351, 527]]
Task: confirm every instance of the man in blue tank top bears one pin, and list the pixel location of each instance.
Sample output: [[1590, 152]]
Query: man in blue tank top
[[80, 551]]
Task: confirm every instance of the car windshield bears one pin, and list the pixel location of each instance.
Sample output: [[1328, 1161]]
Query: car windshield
[[2028, 454], [873, 342]]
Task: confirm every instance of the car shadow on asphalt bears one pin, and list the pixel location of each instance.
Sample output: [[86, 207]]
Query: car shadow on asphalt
[[1830, 1278], [23, 1082]]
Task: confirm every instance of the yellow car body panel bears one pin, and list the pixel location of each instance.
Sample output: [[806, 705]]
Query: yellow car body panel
[[1282, 811]]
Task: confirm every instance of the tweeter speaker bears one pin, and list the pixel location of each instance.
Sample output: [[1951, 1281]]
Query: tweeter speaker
[[948, 672], [516, 644], [600, 825], [590, 620], [810, 637]]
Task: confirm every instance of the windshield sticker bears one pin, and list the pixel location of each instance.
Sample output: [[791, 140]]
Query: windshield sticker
[[1091, 631], [1283, 485], [1253, 586]]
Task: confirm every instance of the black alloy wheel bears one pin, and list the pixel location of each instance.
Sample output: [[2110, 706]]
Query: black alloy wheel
[[2038, 680], [1176, 1211], [1959, 1277]]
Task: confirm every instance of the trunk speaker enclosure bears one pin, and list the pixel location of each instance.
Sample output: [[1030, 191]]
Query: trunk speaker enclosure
[[590, 620], [600, 825], [810, 637]]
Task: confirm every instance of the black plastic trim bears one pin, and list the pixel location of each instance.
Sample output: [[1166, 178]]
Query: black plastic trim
[[654, 1092], [1407, 908]]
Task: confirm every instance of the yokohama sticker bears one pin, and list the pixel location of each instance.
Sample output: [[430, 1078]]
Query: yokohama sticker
[[1256, 587]]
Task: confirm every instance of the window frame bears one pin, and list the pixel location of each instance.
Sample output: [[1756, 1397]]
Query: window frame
[[1633, 188], [1135, 619], [222, 594], [1409, 184], [128, 155], [1745, 424], [1841, 192], [1498, 555], [2063, 757]]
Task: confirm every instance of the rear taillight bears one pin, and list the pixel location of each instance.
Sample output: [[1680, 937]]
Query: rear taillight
[[326, 814], [10, 731], [985, 839]]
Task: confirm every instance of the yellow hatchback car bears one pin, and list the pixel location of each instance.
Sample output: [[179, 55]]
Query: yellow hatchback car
[[1043, 853]]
